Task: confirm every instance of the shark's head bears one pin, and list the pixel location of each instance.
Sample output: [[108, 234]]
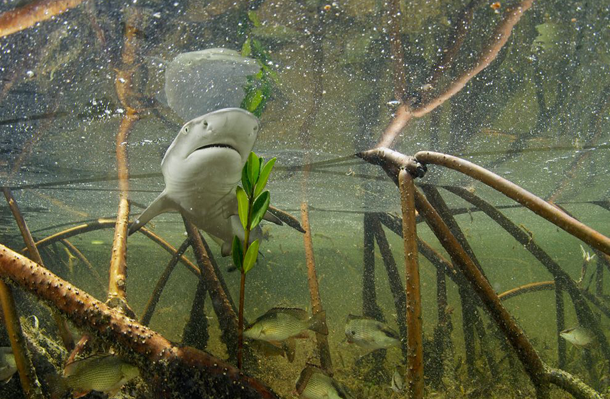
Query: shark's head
[[220, 139]]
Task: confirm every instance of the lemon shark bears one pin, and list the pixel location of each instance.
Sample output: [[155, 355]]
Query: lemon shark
[[201, 170]]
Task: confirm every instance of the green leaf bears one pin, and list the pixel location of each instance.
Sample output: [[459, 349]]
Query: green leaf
[[254, 168], [242, 206], [245, 181], [246, 49], [264, 176], [259, 208], [254, 100], [251, 255], [252, 16], [238, 253]]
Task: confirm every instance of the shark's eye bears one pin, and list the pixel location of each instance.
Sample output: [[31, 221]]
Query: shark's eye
[[205, 124], [186, 129]]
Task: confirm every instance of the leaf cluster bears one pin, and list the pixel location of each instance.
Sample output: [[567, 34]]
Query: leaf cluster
[[252, 203], [259, 86]]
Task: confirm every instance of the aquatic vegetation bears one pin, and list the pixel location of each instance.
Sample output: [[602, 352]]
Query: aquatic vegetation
[[253, 203], [478, 299]]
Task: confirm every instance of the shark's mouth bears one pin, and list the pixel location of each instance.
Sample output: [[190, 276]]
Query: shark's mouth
[[216, 146]]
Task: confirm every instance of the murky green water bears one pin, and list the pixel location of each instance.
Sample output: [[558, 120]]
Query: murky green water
[[536, 116]]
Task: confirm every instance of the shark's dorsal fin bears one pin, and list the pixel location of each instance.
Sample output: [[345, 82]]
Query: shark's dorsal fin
[[160, 205]]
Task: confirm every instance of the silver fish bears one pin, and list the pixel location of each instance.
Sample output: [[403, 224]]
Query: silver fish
[[369, 333], [7, 364], [279, 324], [398, 382], [578, 336], [314, 384]]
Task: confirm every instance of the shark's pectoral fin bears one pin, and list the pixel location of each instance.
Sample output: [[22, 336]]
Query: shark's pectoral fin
[[160, 205], [284, 217]]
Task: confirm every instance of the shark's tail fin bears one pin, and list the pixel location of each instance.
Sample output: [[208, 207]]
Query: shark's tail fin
[[160, 205]]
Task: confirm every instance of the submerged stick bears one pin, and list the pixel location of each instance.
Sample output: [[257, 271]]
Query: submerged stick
[[415, 356], [395, 281], [23, 362], [314, 290], [370, 307], [405, 113], [222, 306], [582, 308], [124, 84], [526, 288], [519, 341], [149, 309], [62, 326], [317, 30], [80, 256], [106, 224], [561, 324], [32, 13], [522, 196], [179, 371]]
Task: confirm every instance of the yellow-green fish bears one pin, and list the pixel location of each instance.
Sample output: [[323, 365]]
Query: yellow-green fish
[[104, 373], [7, 364], [279, 324], [578, 336], [369, 333], [314, 384]]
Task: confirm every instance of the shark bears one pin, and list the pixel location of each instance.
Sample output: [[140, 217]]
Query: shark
[[201, 170]]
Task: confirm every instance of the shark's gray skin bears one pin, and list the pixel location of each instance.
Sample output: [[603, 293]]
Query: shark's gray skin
[[201, 169]]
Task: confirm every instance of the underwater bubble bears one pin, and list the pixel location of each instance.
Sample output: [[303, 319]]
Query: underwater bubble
[[199, 82]]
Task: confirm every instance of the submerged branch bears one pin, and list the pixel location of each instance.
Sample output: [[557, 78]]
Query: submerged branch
[[522, 196], [149, 309], [415, 353], [23, 362], [519, 341], [80, 256], [180, 371], [220, 301], [532, 287], [32, 13], [62, 326], [405, 112]]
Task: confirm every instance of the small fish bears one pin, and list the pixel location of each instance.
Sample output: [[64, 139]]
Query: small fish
[[370, 333], [586, 256], [103, 373], [314, 384], [398, 382], [97, 242], [578, 336], [279, 324], [286, 348], [7, 364]]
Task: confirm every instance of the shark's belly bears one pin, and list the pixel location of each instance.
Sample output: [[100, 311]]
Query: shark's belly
[[208, 210]]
